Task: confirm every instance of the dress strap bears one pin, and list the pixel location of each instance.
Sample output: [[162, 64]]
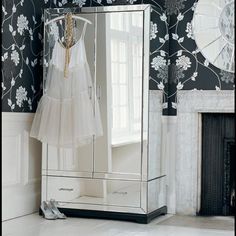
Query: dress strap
[[84, 30]]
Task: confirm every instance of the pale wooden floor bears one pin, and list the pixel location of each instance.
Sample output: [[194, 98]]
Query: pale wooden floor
[[34, 225]]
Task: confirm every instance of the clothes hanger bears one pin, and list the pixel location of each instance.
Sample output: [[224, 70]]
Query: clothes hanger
[[63, 17]]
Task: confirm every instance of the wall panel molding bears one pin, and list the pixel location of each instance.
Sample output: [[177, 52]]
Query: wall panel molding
[[21, 159]]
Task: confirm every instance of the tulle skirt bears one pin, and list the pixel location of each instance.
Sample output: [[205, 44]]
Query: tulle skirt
[[67, 121]]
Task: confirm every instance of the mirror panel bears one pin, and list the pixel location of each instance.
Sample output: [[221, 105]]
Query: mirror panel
[[69, 161], [119, 81], [156, 193], [156, 163]]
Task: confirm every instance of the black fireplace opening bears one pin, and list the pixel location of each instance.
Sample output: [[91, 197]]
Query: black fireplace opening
[[232, 210], [218, 165]]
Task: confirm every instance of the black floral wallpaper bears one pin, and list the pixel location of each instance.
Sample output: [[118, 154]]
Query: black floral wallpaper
[[189, 70], [22, 48], [175, 62]]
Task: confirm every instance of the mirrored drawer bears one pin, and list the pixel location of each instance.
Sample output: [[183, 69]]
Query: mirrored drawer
[[94, 191]]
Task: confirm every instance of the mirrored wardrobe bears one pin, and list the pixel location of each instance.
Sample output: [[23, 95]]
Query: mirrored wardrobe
[[120, 173]]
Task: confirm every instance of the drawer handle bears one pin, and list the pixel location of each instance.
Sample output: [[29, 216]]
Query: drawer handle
[[122, 193], [66, 189]]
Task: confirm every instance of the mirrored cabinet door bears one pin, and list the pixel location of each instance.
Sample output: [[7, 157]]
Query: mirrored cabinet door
[[72, 161], [119, 90]]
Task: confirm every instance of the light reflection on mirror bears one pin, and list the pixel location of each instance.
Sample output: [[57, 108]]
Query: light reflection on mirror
[[125, 40]]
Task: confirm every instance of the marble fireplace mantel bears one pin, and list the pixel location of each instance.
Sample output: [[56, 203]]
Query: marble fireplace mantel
[[188, 143]]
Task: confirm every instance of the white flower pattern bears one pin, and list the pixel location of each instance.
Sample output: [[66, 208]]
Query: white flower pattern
[[163, 17], [162, 73], [15, 57], [158, 62], [183, 62], [3, 86], [22, 24], [12, 82], [176, 73], [189, 31], [21, 96], [180, 17], [154, 31], [161, 86], [131, 1], [227, 77], [179, 86], [79, 2], [173, 6], [30, 104]]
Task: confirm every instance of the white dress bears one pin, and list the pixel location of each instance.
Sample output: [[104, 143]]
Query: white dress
[[65, 115]]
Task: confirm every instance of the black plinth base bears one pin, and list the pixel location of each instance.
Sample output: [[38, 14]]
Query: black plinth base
[[139, 218]]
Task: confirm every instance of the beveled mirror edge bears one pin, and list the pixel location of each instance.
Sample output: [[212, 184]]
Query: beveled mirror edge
[[118, 8], [145, 95], [101, 9]]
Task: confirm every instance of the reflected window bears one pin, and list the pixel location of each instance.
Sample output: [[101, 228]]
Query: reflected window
[[124, 41]]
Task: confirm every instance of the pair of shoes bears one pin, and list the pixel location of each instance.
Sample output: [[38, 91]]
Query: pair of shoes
[[53, 205], [50, 211]]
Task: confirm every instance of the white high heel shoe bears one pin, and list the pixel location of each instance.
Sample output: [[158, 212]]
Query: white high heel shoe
[[47, 211], [53, 205]]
